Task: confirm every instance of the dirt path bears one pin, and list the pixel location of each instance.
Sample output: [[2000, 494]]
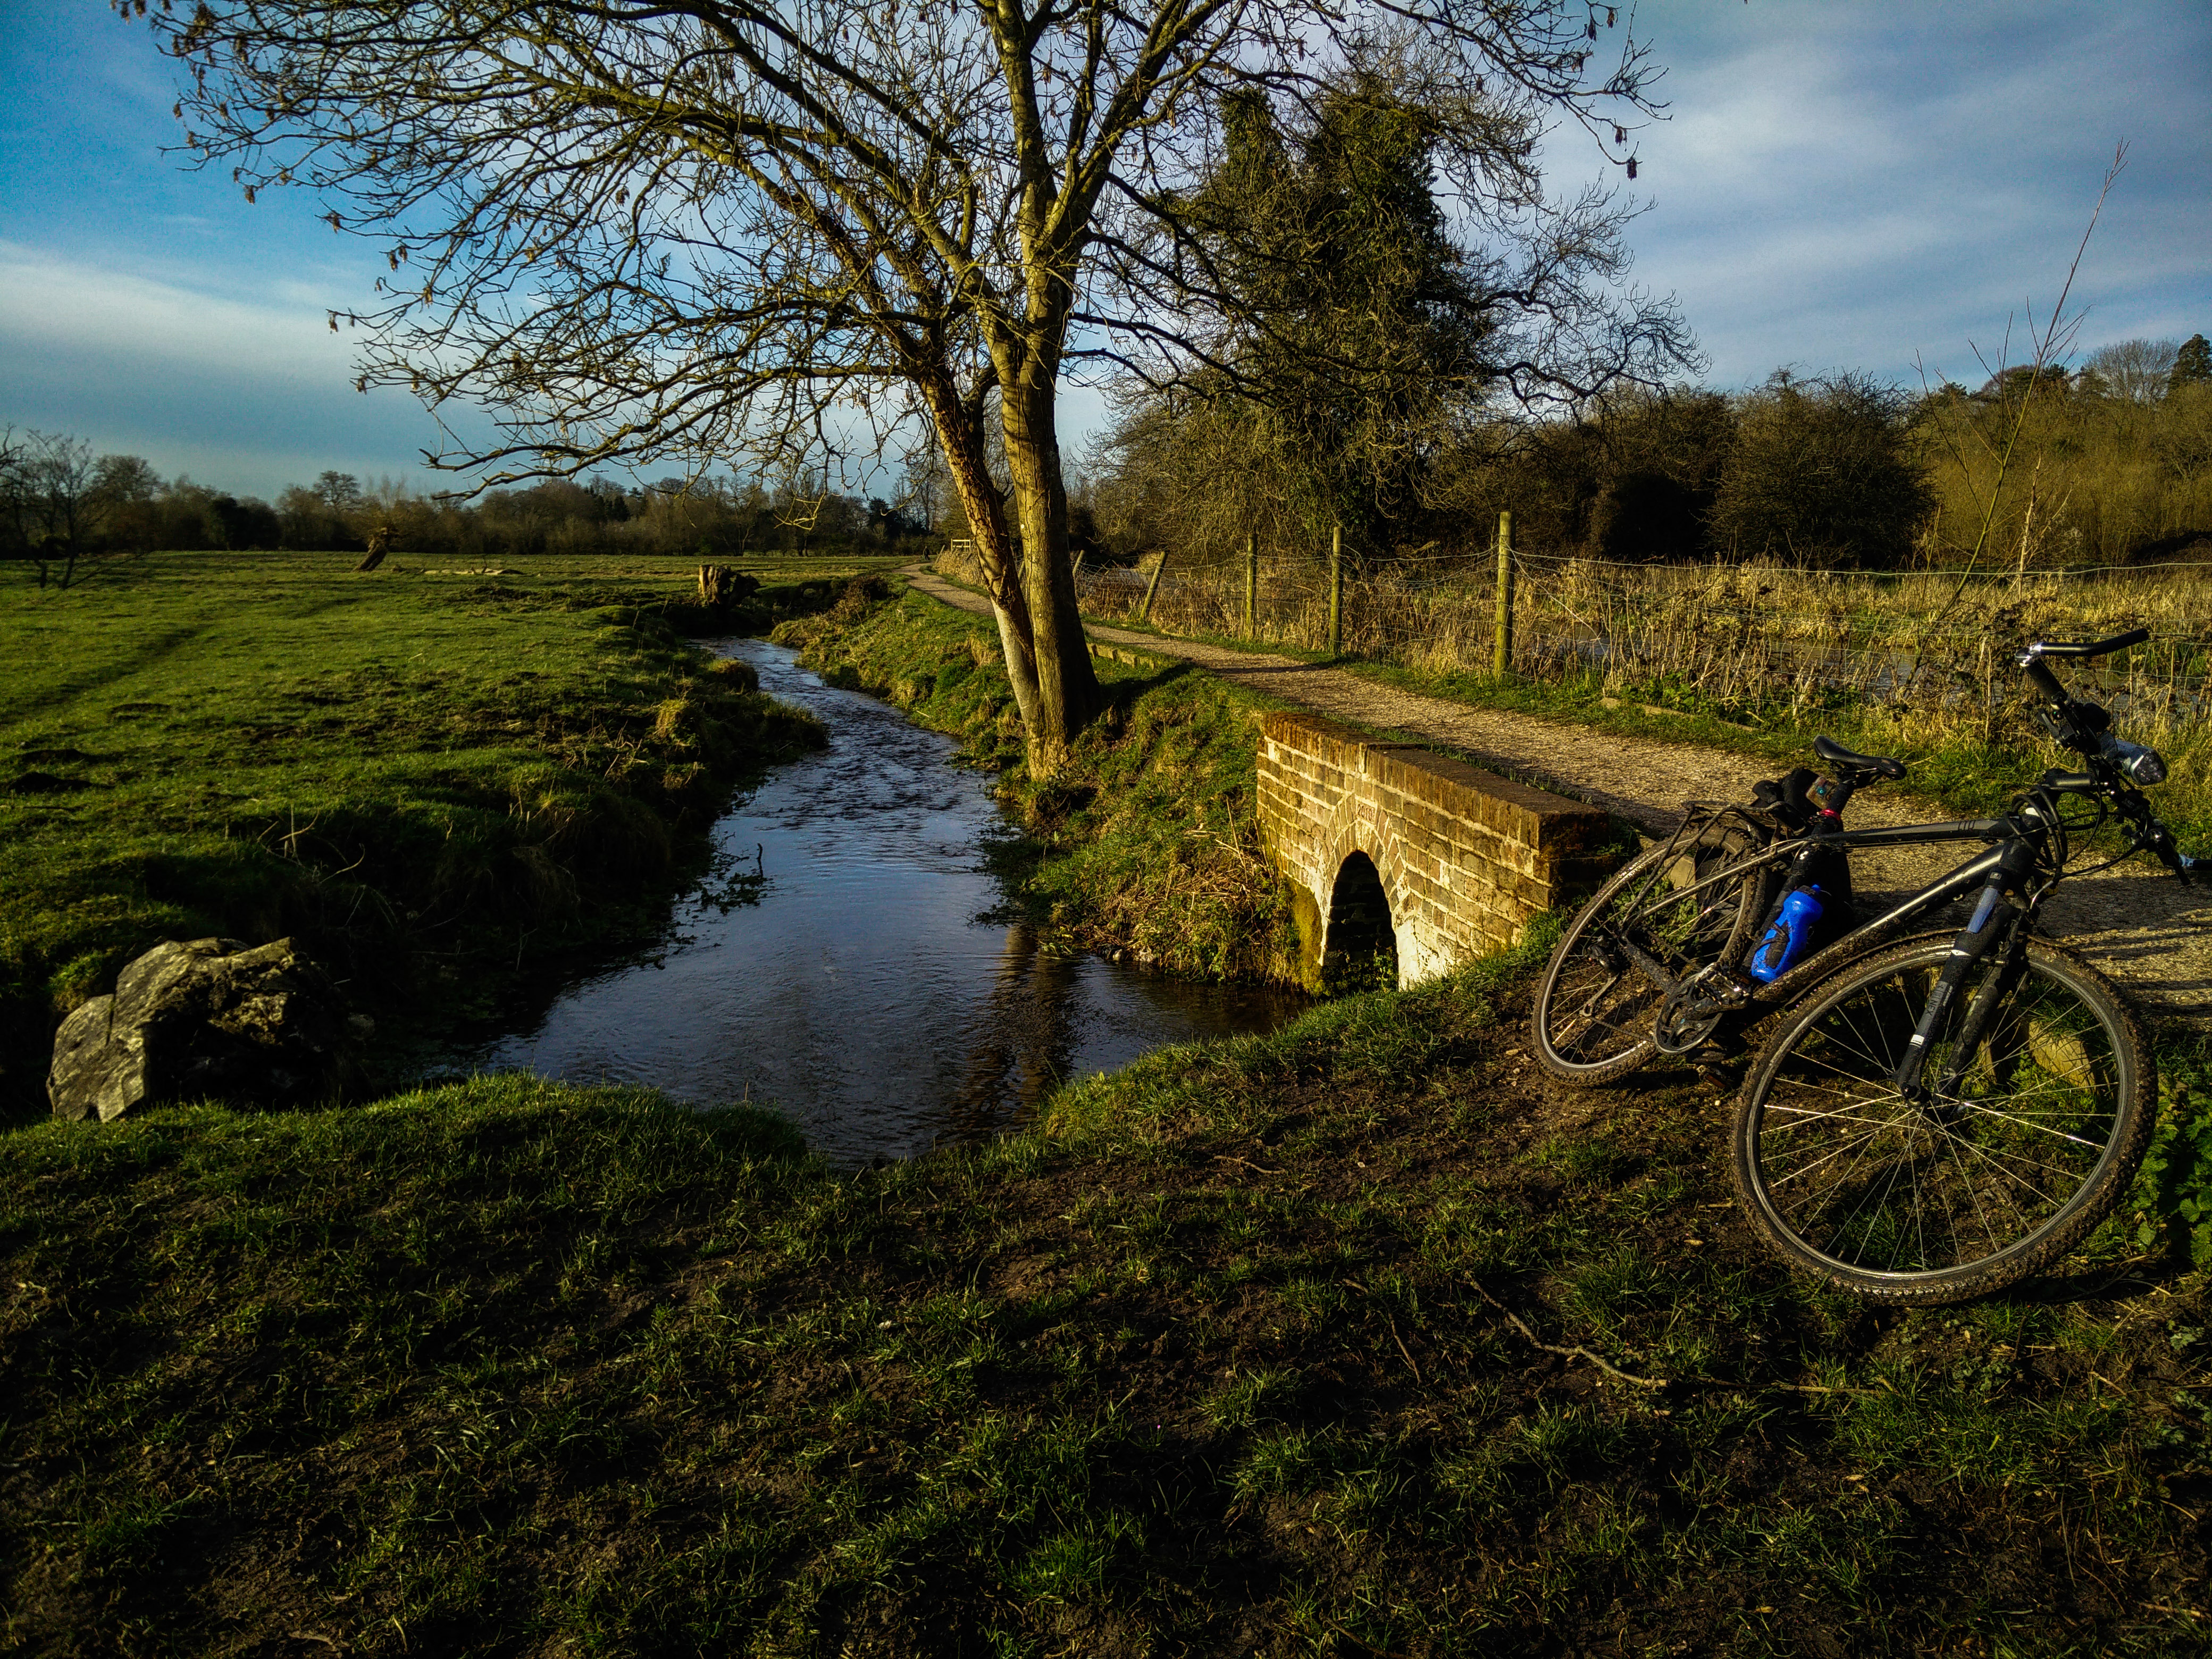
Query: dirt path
[[2136, 922]]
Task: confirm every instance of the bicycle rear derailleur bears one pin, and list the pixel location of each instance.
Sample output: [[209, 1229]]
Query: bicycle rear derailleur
[[1691, 1010]]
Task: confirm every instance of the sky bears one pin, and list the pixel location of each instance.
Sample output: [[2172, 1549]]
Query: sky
[[1852, 184]]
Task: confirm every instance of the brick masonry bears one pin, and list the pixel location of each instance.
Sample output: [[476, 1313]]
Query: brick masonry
[[1465, 857]]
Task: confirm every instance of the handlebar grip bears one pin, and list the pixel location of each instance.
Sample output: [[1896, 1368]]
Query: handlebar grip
[[2064, 782], [2169, 854], [2088, 647]]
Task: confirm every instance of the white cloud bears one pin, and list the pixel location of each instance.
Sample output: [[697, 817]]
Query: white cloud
[[1849, 185], [52, 306], [232, 377]]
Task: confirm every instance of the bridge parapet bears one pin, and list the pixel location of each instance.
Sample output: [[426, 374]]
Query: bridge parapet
[[1391, 845]]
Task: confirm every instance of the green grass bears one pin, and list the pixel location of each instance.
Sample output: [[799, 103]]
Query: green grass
[[1214, 1361], [431, 780]]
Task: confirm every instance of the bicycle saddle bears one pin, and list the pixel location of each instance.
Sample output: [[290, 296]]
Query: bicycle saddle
[[1859, 768]]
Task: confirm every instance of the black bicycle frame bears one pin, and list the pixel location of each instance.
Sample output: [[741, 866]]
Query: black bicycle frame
[[1983, 932], [1974, 872]]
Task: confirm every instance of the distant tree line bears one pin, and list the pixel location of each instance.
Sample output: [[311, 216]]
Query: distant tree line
[[61, 506], [2113, 464]]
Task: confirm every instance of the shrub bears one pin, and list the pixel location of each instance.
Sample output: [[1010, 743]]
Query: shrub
[[1820, 474]]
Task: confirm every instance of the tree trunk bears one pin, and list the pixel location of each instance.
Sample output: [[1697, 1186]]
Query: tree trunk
[[1068, 696], [961, 439], [379, 544], [1032, 589]]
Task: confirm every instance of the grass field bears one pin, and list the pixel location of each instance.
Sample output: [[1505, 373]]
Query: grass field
[[427, 777], [1354, 1339], [1286, 1345]]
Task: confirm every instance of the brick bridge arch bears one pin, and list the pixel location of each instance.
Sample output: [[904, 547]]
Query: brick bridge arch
[[1463, 857]]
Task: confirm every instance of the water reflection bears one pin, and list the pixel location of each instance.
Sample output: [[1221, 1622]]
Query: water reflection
[[865, 992]]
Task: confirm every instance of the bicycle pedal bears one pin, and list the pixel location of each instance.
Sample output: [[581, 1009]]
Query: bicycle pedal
[[1728, 985]]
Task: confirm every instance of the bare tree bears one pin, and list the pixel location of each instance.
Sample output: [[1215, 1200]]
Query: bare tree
[[721, 229], [339, 492], [58, 498], [16, 498], [2136, 370]]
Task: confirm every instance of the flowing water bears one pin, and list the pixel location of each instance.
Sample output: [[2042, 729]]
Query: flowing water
[[848, 964]]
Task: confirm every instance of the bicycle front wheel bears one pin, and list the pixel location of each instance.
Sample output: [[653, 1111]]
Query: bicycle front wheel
[[1684, 906], [1937, 1199]]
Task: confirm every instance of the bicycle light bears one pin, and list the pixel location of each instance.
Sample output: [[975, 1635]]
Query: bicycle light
[[2143, 765]]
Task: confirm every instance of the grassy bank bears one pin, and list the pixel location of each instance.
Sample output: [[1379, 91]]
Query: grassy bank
[[432, 779], [1287, 1345], [1145, 840], [1352, 1339]]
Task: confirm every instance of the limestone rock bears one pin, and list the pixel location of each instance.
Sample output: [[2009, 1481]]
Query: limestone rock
[[98, 1072], [208, 1017]]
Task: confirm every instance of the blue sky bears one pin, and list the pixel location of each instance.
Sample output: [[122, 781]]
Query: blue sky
[[1840, 185]]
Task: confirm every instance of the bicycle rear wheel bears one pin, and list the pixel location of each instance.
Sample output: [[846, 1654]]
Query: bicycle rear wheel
[[1902, 1201], [1594, 1007]]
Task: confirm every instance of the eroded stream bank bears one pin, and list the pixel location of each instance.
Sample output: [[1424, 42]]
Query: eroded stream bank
[[854, 963]]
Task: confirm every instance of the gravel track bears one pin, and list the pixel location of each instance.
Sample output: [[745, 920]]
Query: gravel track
[[2136, 922]]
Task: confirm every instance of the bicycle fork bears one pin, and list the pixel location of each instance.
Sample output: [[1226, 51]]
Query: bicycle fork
[[1985, 933]]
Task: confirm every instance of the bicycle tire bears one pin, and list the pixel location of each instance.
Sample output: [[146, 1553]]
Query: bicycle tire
[[1594, 1012], [1850, 1182]]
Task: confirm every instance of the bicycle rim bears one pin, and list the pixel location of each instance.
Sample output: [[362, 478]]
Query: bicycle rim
[[2028, 1150], [1594, 1009]]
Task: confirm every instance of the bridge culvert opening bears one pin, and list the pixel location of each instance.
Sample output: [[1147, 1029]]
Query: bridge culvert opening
[[1361, 951]]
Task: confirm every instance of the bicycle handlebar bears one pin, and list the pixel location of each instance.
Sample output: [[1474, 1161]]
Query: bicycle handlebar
[[2084, 647], [2078, 726], [2074, 723], [2150, 835]]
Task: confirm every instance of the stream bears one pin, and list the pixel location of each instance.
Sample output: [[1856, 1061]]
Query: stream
[[850, 960]]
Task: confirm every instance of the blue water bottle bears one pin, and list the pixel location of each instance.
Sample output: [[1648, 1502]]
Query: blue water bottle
[[1786, 941]]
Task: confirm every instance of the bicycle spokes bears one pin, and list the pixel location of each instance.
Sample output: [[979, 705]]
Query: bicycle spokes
[[1668, 914], [1881, 1183]]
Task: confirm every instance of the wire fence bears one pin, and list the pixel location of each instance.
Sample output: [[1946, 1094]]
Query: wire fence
[[1761, 644]]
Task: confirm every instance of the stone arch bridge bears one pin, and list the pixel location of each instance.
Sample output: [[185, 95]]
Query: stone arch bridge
[[1394, 851]]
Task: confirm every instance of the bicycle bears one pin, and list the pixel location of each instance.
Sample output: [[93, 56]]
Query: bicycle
[[1924, 1117]]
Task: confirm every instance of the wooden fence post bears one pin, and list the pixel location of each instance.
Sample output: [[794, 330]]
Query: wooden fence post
[[1501, 661], [1336, 591], [1251, 583], [1152, 587]]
